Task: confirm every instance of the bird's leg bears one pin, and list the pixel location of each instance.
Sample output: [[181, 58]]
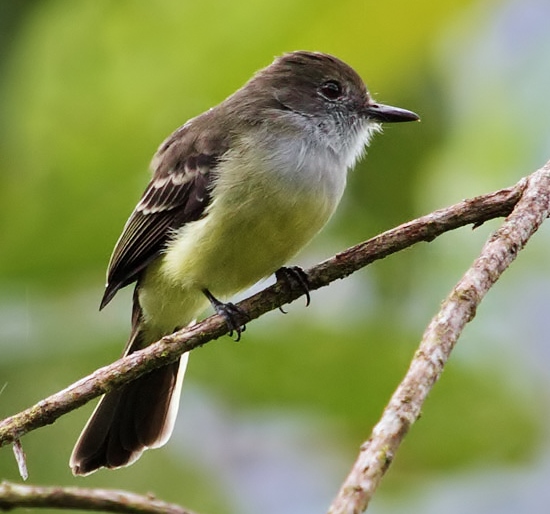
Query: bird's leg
[[235, 318], [294, 277]]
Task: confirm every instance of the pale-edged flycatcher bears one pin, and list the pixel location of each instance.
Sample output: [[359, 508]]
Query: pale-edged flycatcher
[[236, 192]]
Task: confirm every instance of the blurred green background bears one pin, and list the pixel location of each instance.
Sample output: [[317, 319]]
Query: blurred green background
[[89, 89]]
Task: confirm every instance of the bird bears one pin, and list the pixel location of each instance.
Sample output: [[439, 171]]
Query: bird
[[235, 193]]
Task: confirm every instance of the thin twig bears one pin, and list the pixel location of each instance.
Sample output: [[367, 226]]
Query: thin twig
[[473, 211], [21, 459], [438, 341], [14, 496]]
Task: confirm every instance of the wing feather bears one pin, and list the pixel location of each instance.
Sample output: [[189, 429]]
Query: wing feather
[[178, 193]]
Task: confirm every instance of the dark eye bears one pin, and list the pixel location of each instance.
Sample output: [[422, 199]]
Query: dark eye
[[331, 89]]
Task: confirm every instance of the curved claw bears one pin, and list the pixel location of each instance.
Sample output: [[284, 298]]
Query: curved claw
[[294, 277], [235, 318]]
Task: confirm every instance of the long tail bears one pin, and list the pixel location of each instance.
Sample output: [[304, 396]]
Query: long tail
[[131, 419]]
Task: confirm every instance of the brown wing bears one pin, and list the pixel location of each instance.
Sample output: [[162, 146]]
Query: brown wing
[[184, 169]]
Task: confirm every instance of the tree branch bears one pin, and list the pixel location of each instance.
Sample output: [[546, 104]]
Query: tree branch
[[14, 496], [531, 198], [473, 211], [438, 341]]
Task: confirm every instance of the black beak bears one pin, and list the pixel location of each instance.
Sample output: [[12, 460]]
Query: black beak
[[389, 114]]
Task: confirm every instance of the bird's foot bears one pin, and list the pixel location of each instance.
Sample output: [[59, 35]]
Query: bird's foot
[[235, 318], [294, 277]]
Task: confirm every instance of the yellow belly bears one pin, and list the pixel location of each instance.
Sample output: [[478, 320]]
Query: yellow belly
[[252, 228]]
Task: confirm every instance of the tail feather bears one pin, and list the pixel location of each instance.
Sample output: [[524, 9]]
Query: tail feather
[[128, 421], [138, 416]]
